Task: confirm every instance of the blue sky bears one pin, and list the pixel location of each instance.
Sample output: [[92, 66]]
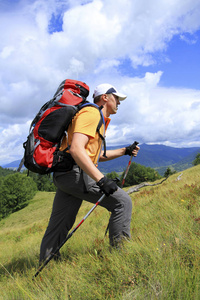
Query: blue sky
[[180, 63], [183, 70], [149, 50]]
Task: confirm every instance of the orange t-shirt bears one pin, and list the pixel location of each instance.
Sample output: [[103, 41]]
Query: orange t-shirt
[[86, 122]]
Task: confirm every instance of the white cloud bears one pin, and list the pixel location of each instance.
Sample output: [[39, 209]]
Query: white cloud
[[12, 139], [106, 64], [95, 37], [156, 114]]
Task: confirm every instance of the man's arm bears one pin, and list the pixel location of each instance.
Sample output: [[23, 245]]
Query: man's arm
[[79, 154], [112, 154]]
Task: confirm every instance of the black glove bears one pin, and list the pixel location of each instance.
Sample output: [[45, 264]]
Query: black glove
[[107, 186], [130, 148]]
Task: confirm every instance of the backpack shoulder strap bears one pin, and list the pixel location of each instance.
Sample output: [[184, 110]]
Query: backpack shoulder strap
[[101, 122]]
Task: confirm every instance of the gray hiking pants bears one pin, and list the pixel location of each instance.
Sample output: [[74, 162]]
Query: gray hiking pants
[[69, 196]]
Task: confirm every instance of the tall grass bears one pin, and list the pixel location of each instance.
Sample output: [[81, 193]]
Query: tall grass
[[160, 262]]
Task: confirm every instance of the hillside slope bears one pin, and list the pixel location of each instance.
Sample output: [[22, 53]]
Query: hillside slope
[[160, 262]]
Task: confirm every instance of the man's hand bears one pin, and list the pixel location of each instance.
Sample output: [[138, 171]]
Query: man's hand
[[107, 186], [132, 149]]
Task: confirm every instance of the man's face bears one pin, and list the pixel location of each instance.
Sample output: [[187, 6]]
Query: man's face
[[113, 102]]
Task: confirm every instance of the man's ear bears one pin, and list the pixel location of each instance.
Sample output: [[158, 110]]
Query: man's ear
[[105, 97]]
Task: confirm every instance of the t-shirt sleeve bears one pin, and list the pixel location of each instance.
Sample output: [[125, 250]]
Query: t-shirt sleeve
[[87, 121]]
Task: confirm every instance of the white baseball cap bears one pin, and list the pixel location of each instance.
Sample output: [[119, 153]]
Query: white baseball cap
[[106, 88]]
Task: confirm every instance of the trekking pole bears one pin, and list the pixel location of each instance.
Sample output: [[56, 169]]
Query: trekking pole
[[67, 237], [129, 163]]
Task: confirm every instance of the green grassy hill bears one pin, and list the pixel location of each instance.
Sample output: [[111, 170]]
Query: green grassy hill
[[160, 262]]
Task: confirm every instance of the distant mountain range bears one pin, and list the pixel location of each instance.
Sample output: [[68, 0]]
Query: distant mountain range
[[158, 157]]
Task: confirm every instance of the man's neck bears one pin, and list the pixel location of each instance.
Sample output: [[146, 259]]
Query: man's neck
[[104, 110]]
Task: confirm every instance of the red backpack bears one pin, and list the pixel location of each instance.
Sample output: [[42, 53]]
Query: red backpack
[[47, 129]]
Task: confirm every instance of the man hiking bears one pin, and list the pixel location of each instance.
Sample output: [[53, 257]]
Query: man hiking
[[85, 181]]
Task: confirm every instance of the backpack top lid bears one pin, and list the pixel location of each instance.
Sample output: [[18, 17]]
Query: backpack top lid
[[71, 92]]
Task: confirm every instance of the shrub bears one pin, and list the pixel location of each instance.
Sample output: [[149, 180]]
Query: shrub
[[15, 192], [169, 172], [197, 160]]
